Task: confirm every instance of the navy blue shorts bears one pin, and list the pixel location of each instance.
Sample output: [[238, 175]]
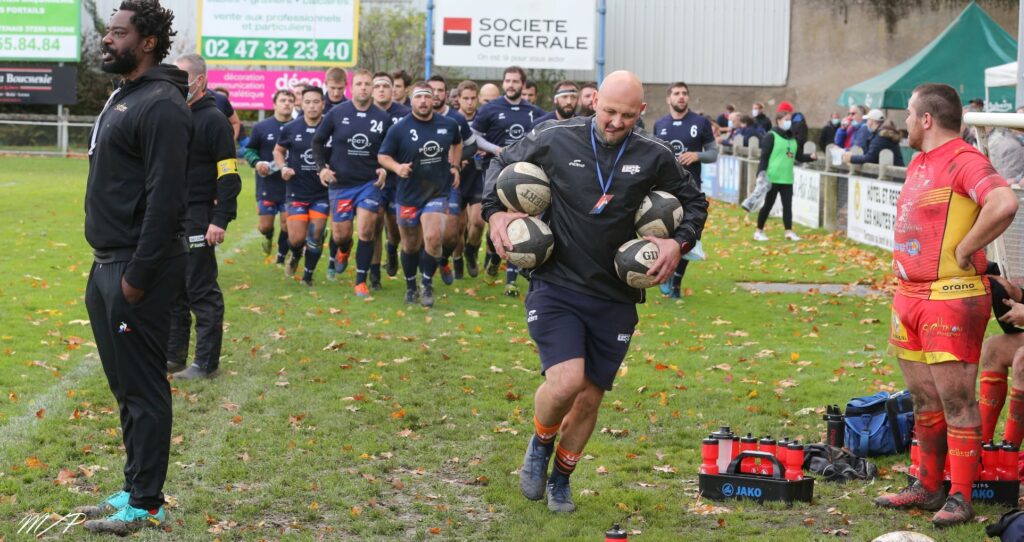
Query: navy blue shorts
[[471, 187], [567, 324], [388, 197]]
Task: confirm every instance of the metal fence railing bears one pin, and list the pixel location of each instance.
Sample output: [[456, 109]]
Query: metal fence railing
[[47, 135], [867, 217]]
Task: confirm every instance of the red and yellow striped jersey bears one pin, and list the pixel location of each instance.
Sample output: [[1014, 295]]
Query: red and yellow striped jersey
[[938, 205]]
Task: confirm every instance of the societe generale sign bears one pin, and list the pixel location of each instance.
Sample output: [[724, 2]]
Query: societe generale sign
[[527, 33]]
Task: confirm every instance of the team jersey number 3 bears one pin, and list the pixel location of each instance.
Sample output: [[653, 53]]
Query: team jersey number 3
[[413, 135]]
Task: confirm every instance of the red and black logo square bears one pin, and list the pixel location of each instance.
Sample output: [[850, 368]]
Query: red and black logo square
[[457, 31]]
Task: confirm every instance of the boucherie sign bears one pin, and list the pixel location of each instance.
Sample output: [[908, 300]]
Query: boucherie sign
[[528, 33]]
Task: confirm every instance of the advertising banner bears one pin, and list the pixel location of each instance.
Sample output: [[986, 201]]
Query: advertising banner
[[254, 90], [39, 85], [807, 197], [279, 32], [872, 211], [527, 33], [35, 30]]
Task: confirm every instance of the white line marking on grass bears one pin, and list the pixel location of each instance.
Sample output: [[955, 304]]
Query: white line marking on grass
[[55, 398], [52, 400]]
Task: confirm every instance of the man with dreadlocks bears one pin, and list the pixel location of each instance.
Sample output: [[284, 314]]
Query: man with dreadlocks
[[135, 200]]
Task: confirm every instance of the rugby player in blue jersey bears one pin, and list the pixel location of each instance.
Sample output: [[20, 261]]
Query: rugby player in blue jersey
[[567, 97], [450, 239], [422, 149], [692, 140], [351, 173], [259, 153], [383, 97], [500, 123], [305, 196]]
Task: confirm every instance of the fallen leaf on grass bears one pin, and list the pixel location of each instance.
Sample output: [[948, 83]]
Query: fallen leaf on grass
[[334, 345], [435, 530], [702, 509], [602, 470], [65, 477], [665, 468]]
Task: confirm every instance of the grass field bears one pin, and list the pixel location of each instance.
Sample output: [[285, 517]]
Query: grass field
[[338, 419]]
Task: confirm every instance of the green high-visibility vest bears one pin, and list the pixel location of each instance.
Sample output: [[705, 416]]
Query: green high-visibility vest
[[780, 163]]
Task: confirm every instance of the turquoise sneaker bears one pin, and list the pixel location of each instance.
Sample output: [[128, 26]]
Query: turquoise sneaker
[[666, 288], [126, 521], [110, 505]]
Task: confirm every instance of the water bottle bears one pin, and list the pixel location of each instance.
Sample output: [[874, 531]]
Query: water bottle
[[990, 462], [1008, 461], [726, 444], [615, 534], [835, 426], [766, 444], [709, 455], [782, 449], [748, 464], [795, 461]]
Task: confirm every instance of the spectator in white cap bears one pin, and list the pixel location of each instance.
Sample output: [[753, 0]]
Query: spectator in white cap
[[879, 137], [862, 137]]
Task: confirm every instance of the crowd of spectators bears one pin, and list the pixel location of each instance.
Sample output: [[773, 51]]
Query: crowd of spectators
[[860, 127]]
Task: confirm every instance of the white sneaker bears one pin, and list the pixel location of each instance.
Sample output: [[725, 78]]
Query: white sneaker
[[760, 236], [792, 236]]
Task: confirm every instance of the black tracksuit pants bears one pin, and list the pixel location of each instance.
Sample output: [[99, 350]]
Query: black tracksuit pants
[[784, 191], [202, 296], [132, 342]]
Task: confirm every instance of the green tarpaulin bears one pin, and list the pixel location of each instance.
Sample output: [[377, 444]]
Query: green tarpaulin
[[958, 57]]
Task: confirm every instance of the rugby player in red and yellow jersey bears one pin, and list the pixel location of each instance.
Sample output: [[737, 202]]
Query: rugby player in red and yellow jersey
[[952, 204]]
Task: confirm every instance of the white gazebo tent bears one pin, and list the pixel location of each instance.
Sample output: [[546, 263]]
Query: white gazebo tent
[[1004, 75]]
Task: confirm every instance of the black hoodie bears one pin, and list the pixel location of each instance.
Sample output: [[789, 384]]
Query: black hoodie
[[136, 190], [212, 171]]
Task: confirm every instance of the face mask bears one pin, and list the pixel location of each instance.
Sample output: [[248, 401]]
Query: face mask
[[730, 124], [191, 93], [786, 125], [835, 122], [755, 113], [855, 124]]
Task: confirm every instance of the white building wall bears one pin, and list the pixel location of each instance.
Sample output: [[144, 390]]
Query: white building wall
[[702, 42]]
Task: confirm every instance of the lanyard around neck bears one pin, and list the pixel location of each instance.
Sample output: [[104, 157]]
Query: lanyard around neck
[[605, 186]]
